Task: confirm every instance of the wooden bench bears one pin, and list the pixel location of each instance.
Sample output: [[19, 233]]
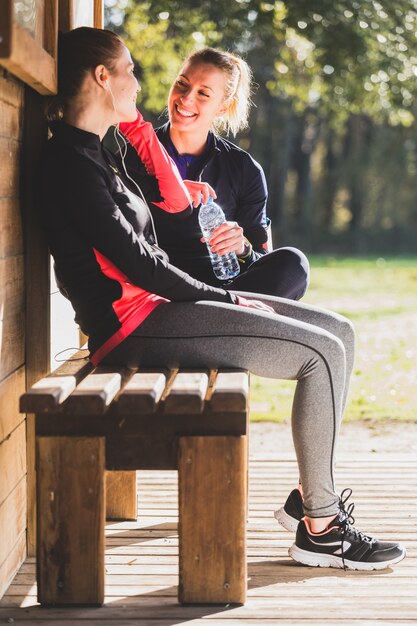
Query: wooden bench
[[99, 425]]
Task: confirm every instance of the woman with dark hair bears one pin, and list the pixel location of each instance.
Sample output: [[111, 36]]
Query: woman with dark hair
[[211, 94], [140, 310]]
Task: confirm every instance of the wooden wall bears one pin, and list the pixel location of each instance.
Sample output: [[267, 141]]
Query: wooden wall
[[26, 333], [12, 334]]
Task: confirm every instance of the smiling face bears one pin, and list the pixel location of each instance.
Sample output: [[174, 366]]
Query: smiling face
[[123, 88], [196, 98]]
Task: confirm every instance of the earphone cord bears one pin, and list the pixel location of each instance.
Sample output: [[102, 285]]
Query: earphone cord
[[123, 152]]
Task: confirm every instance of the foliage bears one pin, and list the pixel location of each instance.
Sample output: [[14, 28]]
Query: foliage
[[349, 56], [334, 124]]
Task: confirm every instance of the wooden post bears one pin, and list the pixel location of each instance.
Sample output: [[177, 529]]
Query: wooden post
[[121, 495], [70, 520], [98, 14], [36, 285], [212, 475]]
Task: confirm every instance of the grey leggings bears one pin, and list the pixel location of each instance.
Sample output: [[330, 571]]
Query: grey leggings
[[299, 342]]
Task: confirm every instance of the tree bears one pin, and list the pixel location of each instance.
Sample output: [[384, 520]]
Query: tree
[[327, 73]]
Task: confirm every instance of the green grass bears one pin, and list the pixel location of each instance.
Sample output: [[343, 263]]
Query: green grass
[[380, 296]]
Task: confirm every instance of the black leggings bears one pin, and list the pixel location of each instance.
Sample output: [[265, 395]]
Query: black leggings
[[284, 273]]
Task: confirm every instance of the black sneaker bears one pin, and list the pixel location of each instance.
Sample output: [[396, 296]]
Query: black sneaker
[[291, 513], [342, 546]]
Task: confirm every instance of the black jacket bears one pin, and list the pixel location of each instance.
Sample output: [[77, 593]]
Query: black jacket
[[240, 185], [100, 236]]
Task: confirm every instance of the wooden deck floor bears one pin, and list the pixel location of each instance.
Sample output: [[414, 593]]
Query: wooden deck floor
[[142, 559]]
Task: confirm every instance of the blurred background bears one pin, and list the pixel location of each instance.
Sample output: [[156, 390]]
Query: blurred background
[[334, 127], [334, 121]]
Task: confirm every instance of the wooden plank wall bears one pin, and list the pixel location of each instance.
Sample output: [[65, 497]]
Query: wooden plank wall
[[12, 334], [25, 304]]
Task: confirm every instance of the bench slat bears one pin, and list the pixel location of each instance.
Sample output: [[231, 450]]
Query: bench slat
[[231, 392], [50, 392], [47, 394], [187, 393], [142, 393], [96, 392]]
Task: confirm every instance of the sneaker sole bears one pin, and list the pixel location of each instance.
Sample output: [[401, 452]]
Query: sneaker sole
[[288, 522], [313, 559]]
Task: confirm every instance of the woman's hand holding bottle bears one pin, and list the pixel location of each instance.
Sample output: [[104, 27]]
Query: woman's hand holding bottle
[[228, 237]]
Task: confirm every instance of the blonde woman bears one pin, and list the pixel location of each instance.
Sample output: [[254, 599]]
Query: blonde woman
[[211, 94]]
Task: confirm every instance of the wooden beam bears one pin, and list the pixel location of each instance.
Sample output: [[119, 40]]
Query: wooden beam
[[50, 33], [31, 62], [37, 253], [6, 29], [70, 521], [37, 282], [121, 495], [66, 15], [98, 14], [212, 475]]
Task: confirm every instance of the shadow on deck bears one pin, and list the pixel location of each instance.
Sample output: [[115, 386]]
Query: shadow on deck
[[142, 558]]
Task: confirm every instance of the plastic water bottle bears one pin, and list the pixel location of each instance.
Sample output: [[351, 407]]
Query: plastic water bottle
[[225, 266]]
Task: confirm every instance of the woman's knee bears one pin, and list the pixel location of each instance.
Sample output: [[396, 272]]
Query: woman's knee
[[298, 268], [346, 332], [333, 352]]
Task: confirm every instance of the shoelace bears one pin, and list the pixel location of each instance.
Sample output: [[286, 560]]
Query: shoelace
[[347, 522]]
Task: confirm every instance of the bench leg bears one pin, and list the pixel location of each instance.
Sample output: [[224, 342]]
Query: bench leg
[[212, 475], [121, 495], [70, 519]]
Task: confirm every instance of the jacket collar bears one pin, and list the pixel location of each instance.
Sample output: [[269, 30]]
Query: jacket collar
[[213, 140], [74, 136]]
